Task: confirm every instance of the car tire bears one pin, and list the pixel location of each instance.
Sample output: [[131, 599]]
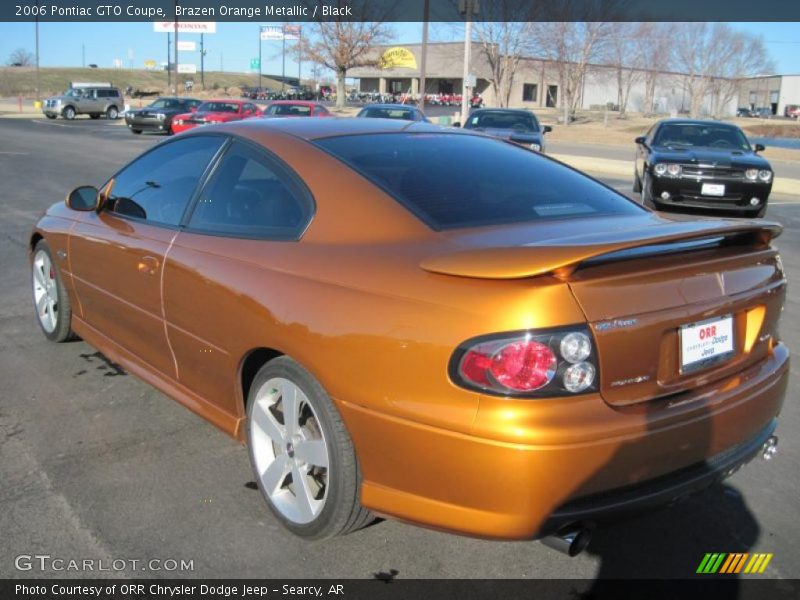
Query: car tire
[[314, 447], [647, 192], [49, 116], [112, 114], [50, 299], [68, 113], [137, 131], [637, 183]]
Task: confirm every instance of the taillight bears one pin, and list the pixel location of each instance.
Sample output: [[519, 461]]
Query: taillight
[[532, 364]]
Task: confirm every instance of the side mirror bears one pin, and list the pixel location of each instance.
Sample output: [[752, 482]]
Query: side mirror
[[84, 198], [640, 140], [547, 129], [456, 124], [193, 109], [760, 147]]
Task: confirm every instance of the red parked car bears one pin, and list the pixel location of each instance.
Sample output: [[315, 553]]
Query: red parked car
[[296, 108], [215, 111]]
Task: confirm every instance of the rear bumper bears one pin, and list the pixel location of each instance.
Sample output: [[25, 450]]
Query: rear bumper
[[660, 491], [607, 462]]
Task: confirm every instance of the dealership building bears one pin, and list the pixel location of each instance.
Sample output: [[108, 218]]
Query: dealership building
[[536, 82]]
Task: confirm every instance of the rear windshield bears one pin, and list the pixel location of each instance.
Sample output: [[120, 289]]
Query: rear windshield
[[388, 113], [230, 107], [454, 180], [503, 120], [291, 110]]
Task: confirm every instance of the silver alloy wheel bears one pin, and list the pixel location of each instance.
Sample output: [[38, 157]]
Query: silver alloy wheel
[[45, 291], [289, 451]]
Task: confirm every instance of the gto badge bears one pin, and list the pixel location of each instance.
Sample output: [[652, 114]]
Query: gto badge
[[615, 324], [621, 382]]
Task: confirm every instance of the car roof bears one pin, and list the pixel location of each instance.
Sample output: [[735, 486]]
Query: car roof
[[226, 100], [389, 105], [502, 110], [312, 129], [679, 121], [295, 102]]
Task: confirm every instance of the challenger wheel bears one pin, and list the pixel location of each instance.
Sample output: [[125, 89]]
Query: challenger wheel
[[50, 299], [301, 453], [647, 192]]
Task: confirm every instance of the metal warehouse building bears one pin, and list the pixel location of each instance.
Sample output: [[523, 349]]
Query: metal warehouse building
[[776, 92], [536, 83]]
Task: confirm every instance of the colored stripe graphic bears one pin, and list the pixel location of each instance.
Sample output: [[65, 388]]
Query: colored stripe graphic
[[734, 563], [758, 563], [720, 562], [711, 563]]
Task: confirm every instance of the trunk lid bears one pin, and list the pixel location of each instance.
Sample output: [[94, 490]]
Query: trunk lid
[[640, 287]]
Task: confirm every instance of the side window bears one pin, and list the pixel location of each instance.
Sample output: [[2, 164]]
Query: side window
[[251, 195], [158, 186]]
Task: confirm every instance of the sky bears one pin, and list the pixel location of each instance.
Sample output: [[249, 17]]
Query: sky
[[235, 44]]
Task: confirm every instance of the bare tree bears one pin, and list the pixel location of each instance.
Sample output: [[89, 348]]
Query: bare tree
[[21, 58], [625, 60], [713, 59], [503, 45], [654, 48], [739, 55], [342, 45], [571, 46]]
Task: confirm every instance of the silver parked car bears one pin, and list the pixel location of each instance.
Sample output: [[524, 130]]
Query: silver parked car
[[92, 101]]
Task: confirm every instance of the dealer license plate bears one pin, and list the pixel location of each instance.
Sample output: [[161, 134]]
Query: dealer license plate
[[706, 342], [713, 189]]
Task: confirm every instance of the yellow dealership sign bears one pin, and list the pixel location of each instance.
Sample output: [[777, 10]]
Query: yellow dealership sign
[[397, 57]]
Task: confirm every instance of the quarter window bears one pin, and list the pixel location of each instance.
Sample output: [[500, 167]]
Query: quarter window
[[251, 195], [158, 186]]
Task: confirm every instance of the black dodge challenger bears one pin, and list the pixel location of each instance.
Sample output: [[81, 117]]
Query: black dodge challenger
[[706, 165]]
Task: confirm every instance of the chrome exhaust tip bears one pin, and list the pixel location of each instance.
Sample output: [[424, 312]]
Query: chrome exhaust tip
[[770, 448], [569, 541]]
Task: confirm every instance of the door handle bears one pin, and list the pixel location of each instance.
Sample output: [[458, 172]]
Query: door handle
[[148, 265]]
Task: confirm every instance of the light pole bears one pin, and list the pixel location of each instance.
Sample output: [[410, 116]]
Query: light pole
[[260, 30], [169, 69], [467, 52], [422, 61], [37, 53], [202, 63], [175, 87]]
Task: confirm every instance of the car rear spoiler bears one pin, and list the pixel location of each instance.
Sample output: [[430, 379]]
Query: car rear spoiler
[[563, 258]]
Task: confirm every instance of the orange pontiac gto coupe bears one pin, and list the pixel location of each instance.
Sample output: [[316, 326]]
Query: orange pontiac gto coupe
[[425, 323]]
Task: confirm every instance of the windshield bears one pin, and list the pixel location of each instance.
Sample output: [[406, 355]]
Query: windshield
[[290, 110], [701, 136], [166, 103], [519, 121], [388, 113], [452, 180], [228, 107]]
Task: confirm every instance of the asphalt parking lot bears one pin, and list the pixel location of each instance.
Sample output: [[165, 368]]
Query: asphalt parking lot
[[96, 464]]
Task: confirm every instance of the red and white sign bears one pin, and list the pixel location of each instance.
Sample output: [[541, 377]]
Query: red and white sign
[[184, 27], [703, 341]]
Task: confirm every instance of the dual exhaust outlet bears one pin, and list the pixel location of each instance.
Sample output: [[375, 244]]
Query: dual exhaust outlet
[[573, 539]]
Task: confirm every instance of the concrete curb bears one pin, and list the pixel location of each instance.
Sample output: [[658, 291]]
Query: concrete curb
[[624, 169]]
